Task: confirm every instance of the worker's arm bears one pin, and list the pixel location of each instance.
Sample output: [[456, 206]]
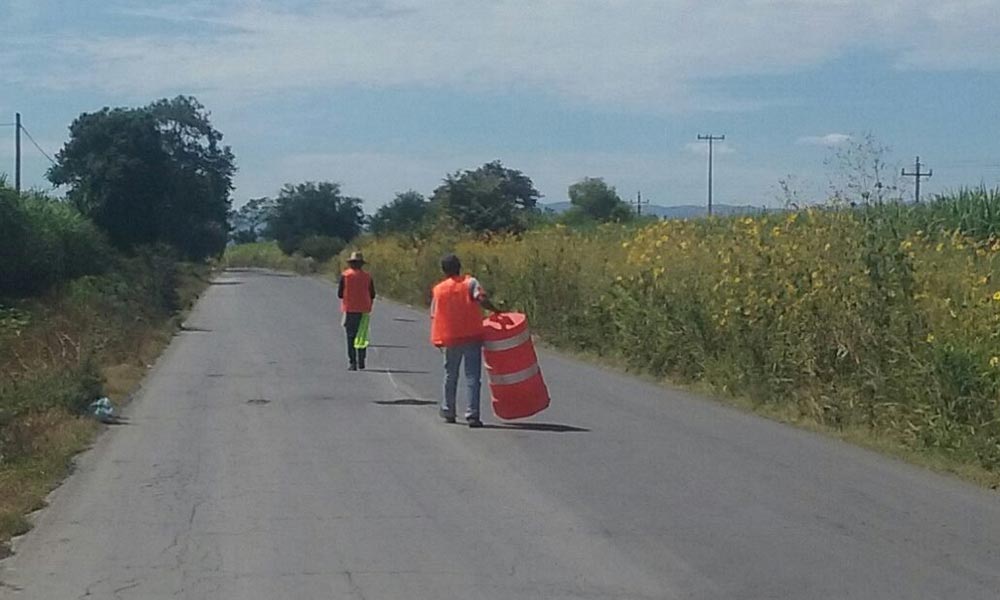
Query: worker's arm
[[340, 287], [485, 303], [371, 288], [480, 296]]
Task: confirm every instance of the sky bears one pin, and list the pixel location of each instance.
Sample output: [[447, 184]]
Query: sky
[[383, 96]]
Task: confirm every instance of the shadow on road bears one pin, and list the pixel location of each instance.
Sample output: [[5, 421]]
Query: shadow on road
[[405, 402], [396, 371], [403, 320], [386, 346], [221, 282], [192, 329], [549, 427], [261, 272]]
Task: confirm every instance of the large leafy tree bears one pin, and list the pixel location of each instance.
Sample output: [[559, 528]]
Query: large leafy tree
[[310, 209], [490, 198], [153, 174], [405, 214], [595, 199], [250, 220]]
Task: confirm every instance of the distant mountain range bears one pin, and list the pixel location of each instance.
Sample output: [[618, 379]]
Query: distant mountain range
[[686, 211]]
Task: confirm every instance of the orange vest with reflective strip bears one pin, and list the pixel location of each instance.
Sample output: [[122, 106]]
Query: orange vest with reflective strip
[[357, 291], [457, 318]]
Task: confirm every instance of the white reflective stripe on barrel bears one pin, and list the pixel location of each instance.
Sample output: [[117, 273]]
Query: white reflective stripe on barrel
[[507, 344], [517, 377]]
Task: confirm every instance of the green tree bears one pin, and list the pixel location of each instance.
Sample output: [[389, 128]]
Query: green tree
[[405, 214], [250, 221], [313, 209], [491, 198], [595, 199], [154, 174]]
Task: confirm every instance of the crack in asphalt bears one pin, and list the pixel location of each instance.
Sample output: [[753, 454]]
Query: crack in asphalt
[[355, 587]]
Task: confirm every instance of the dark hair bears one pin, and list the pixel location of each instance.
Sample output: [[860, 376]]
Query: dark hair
[[451, 265]]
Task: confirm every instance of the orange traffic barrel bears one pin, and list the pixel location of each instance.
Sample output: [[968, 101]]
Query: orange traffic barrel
[[516, 383]]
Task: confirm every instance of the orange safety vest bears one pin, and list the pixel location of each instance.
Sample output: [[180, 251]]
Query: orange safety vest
[[357, 291], [456, 318]]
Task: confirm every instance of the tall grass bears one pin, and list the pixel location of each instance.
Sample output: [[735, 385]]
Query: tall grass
[[60, 350], [885, 319], [266, 255]]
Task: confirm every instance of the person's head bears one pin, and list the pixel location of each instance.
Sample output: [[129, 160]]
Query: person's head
[[356, 260], [451, 266]]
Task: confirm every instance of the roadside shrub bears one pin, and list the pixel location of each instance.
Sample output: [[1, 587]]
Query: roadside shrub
[[321, 247], [43, 242]]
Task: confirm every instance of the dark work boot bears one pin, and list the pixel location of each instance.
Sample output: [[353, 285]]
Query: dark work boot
[[352, 355], [362, 355]]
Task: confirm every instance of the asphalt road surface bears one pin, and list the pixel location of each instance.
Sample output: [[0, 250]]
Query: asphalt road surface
[[257, 467]]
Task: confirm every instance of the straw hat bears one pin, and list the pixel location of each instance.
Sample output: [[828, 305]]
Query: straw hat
[[356, 257]]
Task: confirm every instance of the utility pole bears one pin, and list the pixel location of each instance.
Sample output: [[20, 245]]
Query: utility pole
[[916, 175], [639, 202], [711, 139], [17, 153]]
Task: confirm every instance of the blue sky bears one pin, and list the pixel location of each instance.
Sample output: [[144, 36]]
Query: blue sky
[[387, 95]]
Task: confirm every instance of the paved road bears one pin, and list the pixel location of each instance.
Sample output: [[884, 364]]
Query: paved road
[[256, 467]]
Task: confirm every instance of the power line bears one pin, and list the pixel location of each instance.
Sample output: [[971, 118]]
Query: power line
[[37, 147], [970, 165]]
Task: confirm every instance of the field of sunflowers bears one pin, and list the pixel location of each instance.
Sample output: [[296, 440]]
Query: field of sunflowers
[[883, 318]]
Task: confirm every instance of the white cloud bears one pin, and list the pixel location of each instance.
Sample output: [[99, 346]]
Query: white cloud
[[650, 54], [830, 139]]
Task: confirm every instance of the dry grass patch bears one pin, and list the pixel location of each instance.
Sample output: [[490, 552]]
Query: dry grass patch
[[95, 336]]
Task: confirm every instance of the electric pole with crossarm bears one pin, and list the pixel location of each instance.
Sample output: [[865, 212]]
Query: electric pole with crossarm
[[916, 175], [711, 139], [639, 202]]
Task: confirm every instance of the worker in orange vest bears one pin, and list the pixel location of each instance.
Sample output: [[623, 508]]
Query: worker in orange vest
[[356, 291], [457, 328]]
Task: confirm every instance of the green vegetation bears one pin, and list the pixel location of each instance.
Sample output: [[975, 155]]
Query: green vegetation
[[44, 242], [250, 221], [595, 200], [314, 219], [317, 220], [409, 212], [489, 199], [266, 255], [156, 174]]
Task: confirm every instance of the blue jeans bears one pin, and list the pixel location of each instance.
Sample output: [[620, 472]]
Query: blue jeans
[[472, 355]]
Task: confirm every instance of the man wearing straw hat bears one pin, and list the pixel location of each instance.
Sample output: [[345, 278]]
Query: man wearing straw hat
[[356, 291]]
